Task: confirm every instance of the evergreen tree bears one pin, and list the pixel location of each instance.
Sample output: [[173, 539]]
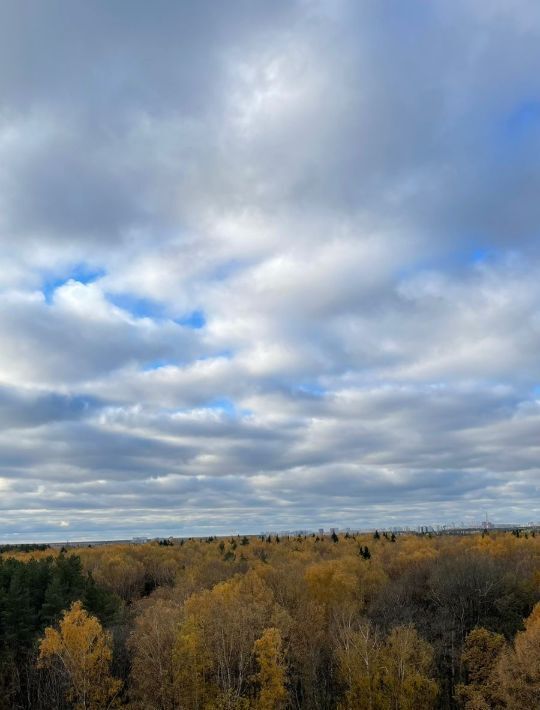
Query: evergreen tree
[[54, 603], [100, 602], [19, 619]]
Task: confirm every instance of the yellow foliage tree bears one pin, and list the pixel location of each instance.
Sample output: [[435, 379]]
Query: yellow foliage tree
[[359, 666], [389, 675], [122, 574], [270, 678], [480, 654], [332, 582], [518, 668], [214, 647], [151, 644], [80, 650], [406, 673]]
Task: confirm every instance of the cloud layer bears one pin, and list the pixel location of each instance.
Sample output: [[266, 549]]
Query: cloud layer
[[268, 265]]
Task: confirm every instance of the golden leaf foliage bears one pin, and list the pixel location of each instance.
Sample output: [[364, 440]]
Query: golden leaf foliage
[[480, 655], [151, 644], [80, 650], [206, 604], [503, 676], [359, 654], [394, 674], [518, 667], [407, 665], [270, 678], [121, 574], [214, 648], [334, 585]]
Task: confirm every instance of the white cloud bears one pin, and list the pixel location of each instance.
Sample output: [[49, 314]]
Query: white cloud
[[349, 214]]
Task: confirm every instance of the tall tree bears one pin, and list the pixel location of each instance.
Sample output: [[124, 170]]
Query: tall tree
[[151, 644], [518, 667], [80, 652], [270, 678], [359, 666], [406, 675], [481, 652]]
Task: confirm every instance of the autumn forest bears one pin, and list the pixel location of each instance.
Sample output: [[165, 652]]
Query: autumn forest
[[350, 622]]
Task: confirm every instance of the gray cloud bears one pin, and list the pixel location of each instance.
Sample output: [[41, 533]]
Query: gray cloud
[[267, 265]]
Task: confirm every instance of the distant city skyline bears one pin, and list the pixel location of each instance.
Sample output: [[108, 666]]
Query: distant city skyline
[[267, 265]]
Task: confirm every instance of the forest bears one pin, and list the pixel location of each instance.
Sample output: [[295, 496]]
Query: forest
[[352, 622]]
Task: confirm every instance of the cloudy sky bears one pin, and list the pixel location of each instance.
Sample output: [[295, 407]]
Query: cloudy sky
[[268, 265]]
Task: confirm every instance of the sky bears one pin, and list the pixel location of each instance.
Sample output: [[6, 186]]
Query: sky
[[268, 265]]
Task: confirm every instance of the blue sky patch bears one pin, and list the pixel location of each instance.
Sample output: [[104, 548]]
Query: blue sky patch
[[311, 388], [196, 320], [524, 118], [473, 253], [159, 363], [150, 308], [82, 273], [136, 306], [222, 404], [483, 256]]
